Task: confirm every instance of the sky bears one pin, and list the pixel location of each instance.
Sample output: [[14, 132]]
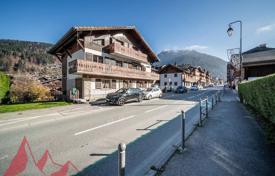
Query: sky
[[165, 24]]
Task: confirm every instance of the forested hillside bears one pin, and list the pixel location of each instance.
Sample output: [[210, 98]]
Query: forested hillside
[[24, 56]]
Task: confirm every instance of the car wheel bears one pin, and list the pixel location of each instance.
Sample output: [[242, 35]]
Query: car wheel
[[139, 99], [120, 102], [160, 95], [150, 97]]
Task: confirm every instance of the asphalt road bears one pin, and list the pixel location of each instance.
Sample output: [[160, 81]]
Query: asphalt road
[[84, 134]]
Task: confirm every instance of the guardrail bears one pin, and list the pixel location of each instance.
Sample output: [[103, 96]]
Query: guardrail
[[148, 154]]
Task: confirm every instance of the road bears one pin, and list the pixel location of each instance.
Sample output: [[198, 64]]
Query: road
[[84, 134]]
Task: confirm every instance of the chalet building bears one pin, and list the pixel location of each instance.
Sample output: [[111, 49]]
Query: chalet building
[[99, 60], [258, 62], [172, 76], [233, 70]]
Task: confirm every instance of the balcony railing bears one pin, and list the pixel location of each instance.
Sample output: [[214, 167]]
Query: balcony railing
[[120, 50], [81, 66]]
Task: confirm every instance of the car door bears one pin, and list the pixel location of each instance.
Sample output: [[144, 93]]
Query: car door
[[129, 95], [154, 92], [132, 95]]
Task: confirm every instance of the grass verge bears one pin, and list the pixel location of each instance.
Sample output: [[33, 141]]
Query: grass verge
[[29, 106]]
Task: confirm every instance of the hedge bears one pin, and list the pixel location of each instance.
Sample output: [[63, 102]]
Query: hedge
[[260, 95], [4, 85]]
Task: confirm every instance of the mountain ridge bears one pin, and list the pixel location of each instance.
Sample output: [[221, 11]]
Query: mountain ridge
[[215, 65]]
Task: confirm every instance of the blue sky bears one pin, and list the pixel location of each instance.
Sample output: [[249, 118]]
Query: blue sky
[[165, 24]]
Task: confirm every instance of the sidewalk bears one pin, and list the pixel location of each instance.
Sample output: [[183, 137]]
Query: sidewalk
[[230, 143]]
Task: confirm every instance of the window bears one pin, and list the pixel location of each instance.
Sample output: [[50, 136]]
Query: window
[[175, 83], [125, 65], [109, 61], [125, 84], [119, 63], [175, 75], [97, 58], [89, 57], [99, 42], [165, 75], [106, 84], [98, 83], [113, 84], [165, 83], [170, 83]]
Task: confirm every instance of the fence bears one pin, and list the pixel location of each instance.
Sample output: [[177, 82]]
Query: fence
[[147, 154]]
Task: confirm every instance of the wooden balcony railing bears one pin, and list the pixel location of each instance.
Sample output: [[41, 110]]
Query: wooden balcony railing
[[120, 50], [81, 66]]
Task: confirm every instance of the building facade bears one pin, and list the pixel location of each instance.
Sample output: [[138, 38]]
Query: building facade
[[172, 76], [258, 62], [100, 60]]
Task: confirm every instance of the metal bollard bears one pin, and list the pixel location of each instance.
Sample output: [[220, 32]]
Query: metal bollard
[[121, 159], [219, 96], [206, 107], [212, 102], [183, 129], [200, 122], [216, 98]]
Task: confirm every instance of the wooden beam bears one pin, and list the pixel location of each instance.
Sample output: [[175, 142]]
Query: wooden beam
[[80, 44], [68, 52], [59, 56]]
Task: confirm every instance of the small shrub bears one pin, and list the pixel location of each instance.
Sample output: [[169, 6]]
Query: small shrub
[[4, 86], [25, 90]]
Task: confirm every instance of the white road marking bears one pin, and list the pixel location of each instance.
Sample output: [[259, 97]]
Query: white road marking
[[28, 118], [156, 108], [104, 125]]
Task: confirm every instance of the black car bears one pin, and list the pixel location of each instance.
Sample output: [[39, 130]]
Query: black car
[[181, 89], [124, 95]]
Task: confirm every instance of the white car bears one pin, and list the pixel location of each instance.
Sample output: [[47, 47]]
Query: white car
[[194, 88], [152, 93]]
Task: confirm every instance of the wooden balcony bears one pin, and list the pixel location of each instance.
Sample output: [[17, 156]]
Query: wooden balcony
[[81, 66], [119, 50]]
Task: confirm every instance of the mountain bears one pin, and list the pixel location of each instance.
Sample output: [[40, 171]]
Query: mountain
[[26, 57], [216, 66]]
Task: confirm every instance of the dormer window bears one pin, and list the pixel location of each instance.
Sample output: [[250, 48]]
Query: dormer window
[[99, 42]]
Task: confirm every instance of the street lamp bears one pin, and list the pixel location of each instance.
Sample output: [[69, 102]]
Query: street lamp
[[230, 31]]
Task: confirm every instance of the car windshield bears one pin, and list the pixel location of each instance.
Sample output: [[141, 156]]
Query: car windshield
[[149, 89], [121, 91]]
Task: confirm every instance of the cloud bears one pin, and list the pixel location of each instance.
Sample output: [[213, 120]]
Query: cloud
[[191, 47], [196, 47], [266, 28]]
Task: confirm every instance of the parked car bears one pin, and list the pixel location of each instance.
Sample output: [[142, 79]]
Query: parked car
[[152, 93], [121, 96], [194, 88], [200, 87], [181, 89]]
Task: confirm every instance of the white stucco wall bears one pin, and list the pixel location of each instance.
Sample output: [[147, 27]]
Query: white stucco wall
[[170, 78], [71, 77]]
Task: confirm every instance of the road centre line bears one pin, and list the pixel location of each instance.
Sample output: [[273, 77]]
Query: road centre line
[[156, 108], [104, 125]]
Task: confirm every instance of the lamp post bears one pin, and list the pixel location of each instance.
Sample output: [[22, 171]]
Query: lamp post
[[230, 32]]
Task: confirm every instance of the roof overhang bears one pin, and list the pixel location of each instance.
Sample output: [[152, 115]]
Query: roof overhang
[[71, 35]]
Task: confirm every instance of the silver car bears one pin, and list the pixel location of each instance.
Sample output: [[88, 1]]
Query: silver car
[[152, 93]]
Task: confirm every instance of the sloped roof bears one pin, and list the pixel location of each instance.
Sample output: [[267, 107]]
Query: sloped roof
[[73, 32], [260, 48], [170, 65]]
